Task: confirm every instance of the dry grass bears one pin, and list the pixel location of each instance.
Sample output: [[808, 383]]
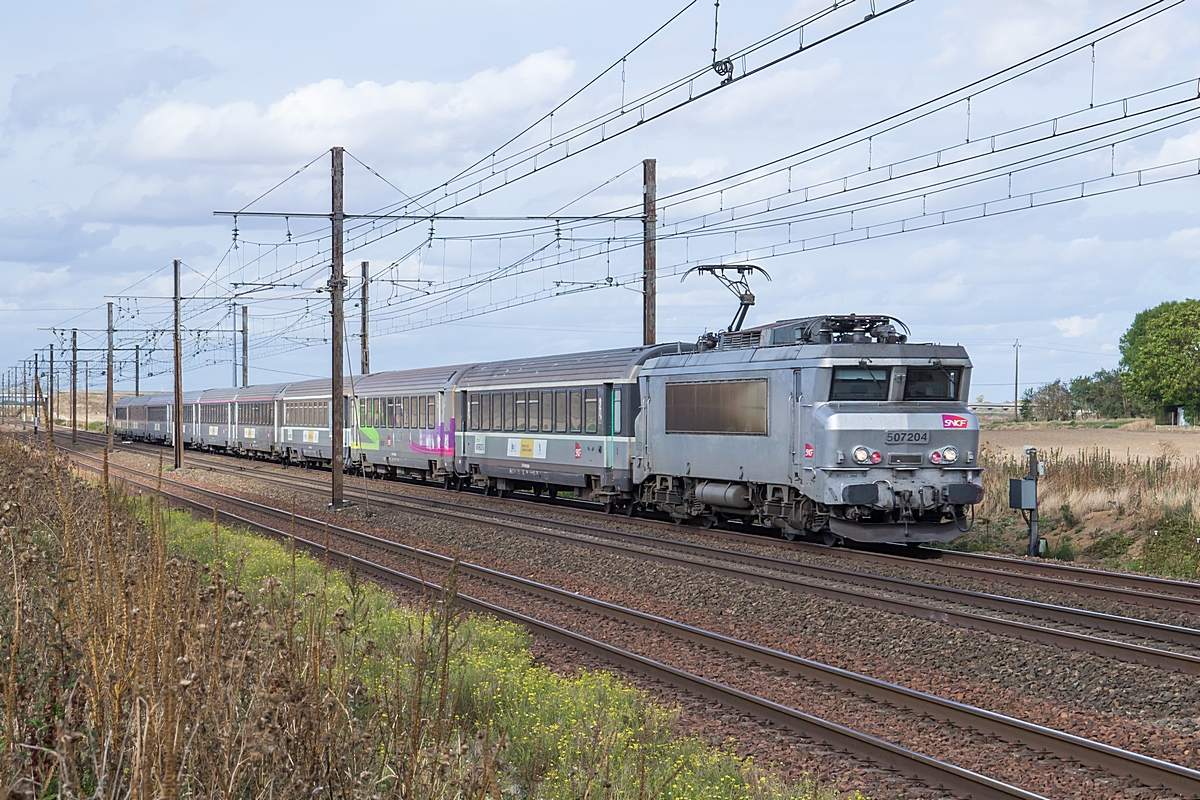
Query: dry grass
[[133, 674], [153, 655], [1145, 510]]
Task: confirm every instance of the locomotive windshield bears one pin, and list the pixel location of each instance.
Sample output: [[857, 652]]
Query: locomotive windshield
[[932, 383], [859, 383]]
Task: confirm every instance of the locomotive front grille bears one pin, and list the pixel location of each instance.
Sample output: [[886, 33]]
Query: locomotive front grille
[[905, 459]]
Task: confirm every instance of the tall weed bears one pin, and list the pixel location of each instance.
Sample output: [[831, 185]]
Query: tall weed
[[150, 654]]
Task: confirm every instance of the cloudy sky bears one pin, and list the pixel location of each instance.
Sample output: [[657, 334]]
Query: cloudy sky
[[127, 124]]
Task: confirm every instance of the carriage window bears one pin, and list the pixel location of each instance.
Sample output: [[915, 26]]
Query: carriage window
[[122, 413], [932, 383], [576, 411], [473, 411], [520, 411], [508, 411], [534, 415], [616, 410], [547, 412], [591, 411], [560, 411], [431, 418], [717, 407], [391, 412], [860, 383]]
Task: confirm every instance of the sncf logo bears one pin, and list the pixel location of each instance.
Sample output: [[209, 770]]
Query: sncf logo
[[953, 421], [809, 452]]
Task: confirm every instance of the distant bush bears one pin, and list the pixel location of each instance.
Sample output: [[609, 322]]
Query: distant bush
[[1173, 548]]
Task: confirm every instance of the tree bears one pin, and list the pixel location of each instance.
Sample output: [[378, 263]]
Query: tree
[[1161, 356], [1103, 394], [1052, 401]]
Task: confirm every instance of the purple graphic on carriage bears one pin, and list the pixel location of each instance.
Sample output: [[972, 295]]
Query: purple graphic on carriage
[[438, 442]]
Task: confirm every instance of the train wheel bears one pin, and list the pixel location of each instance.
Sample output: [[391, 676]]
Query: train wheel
[[630, 507]]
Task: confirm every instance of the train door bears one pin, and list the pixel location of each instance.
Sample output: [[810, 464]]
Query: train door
[[610, 417], [803, 442]]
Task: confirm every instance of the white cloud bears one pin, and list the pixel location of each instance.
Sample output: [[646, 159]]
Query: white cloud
[[696, 169], [1076, 326], [1185, 242], [418, 118], [773, 96], [92, 88], [942, 253]]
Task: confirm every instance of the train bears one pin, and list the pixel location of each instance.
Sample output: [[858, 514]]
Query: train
[[833, 428]]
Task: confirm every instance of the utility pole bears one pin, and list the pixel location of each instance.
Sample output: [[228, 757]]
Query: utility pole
[[50, 393], [337, 283], [37, 385], [245, 346], [24, 391], [87, 404], [74, 381], [137, 370], [108, 407], [366, 304], [233, 333], [1016, 383], [649, 250], [177, 427]]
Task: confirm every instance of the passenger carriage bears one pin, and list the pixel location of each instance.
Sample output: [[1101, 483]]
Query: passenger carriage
[[405, 422], [553, 423], [304, 426], [158, 418], [214, 408], [255, 411]]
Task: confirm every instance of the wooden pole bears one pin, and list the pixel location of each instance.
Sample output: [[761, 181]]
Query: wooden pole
[[366, 305], [108, 402], [337, 284], [649, 251], [74, 384], [177, 427]]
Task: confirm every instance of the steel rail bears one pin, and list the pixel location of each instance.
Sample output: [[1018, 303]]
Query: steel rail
[[1063, 614], [1123, 651], [1127, 580], [1145, 589], [1153, 772]]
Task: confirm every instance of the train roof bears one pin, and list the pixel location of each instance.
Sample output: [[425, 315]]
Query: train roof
[[133, 400], [317, 387], [262, 391], [879, 352], [399, 381], [219, 395], [595, 366]]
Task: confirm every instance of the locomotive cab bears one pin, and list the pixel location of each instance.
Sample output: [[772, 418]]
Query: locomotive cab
[[894, 448]]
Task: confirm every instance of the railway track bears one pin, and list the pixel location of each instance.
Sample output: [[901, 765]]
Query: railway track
[[1131, 588], [949, 605], [1179, 780]]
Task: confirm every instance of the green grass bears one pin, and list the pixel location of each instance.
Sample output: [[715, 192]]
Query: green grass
[[588, 735]]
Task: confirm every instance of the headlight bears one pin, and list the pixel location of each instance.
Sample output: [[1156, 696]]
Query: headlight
[[949, 455], [862, 455]]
